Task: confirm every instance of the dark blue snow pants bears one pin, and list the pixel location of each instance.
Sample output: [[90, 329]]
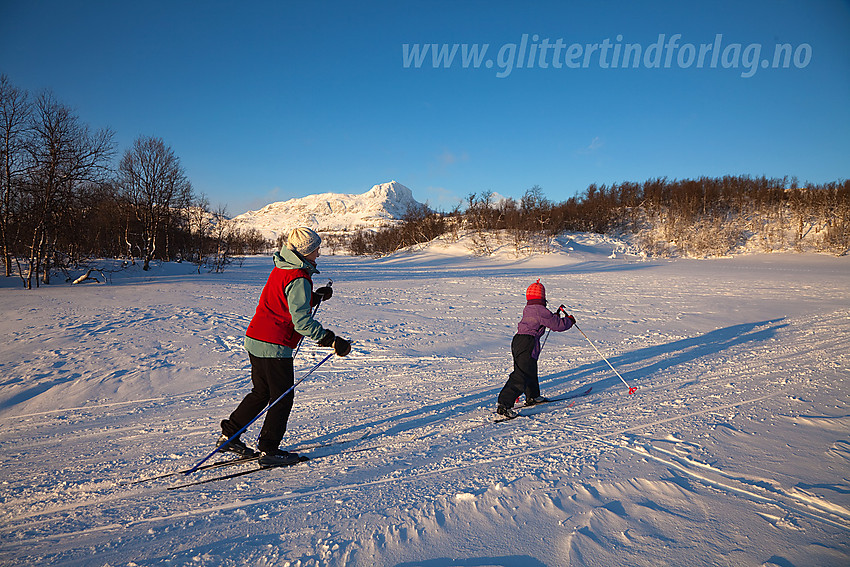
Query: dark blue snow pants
[[523, 379], [270, 377]]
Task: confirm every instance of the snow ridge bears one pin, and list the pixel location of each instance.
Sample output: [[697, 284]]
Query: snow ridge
[[734, 446]]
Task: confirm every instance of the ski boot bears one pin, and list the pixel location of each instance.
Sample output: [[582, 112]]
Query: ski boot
[[505, 411], [278, 458], [236, 446]]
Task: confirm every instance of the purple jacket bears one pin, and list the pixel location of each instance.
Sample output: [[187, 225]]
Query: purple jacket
[[536, 319]]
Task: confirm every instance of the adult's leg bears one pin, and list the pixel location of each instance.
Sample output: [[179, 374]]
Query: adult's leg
[[255, 402], [281, 377]]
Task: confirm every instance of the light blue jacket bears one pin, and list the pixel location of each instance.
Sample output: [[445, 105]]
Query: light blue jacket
[[298, 295]]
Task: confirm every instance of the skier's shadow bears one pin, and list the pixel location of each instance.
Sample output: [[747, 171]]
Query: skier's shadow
[[642, 363], [634, 366]]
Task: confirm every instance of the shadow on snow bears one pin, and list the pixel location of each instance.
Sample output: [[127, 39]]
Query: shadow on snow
[[644, 362]]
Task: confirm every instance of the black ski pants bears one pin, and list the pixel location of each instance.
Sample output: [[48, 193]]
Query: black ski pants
[[523, 379], [270, 377]]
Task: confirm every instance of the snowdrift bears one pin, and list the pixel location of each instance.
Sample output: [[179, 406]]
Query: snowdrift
[[734, 450]]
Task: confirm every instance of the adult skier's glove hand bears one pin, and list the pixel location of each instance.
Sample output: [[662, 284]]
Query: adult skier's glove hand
[[325, 292], [328, 339], [341, 346], [572, 319]]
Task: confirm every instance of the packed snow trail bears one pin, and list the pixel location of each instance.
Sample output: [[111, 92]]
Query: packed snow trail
[[734, 446]]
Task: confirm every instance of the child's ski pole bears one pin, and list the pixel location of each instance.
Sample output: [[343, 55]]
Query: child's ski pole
[[268, 407], [546, 337], [631, 388]]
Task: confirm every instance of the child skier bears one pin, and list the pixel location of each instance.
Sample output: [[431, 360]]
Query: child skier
[[282, 319], [525, 348]]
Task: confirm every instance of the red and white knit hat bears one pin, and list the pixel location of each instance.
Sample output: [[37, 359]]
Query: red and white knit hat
[[535, 291]]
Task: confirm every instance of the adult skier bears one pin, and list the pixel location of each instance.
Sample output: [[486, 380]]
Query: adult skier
[[525, 348], [282, 319]]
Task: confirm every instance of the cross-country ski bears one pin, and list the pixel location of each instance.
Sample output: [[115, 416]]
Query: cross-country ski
[[425, 284], [301, 459], [405, 457]]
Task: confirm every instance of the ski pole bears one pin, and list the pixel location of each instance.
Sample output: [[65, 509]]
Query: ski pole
[[268, 407], [315, 310], [546, 338], [631, 388]]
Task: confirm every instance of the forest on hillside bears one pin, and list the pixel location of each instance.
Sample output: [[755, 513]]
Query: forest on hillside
[[692, 217], [64, 201]]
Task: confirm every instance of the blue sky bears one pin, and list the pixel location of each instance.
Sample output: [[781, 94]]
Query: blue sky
[[265, 101]]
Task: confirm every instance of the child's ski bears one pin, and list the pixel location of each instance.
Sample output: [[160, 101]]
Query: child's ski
[[502, 418], [571, 396]]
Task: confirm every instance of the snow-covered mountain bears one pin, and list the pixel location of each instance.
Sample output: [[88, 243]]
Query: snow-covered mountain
[[382, 205]]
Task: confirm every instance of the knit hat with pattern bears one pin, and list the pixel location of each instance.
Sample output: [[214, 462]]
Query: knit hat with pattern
[[303, 240], [535, 291]]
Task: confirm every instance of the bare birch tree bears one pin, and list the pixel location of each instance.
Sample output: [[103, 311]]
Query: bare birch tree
[[153, 182], [15, 122], [64, 156]]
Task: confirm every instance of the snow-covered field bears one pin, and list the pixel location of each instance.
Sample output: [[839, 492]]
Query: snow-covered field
[[734, 450]]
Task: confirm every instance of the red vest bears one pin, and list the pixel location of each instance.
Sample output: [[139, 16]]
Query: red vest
[[272, 322]]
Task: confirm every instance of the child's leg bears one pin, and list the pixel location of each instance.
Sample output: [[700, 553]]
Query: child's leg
[[521, 347], [532, 381]]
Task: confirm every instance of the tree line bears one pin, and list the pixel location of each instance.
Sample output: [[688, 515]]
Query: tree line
[[63, 201], [708, 216]]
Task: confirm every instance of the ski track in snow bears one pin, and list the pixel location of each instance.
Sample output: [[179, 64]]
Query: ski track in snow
[[734, 450]]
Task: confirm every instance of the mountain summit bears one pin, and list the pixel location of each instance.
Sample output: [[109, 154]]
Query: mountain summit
[[382, 205]]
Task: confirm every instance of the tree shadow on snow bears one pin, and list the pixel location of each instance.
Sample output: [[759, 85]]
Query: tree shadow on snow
[[34, 391]]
